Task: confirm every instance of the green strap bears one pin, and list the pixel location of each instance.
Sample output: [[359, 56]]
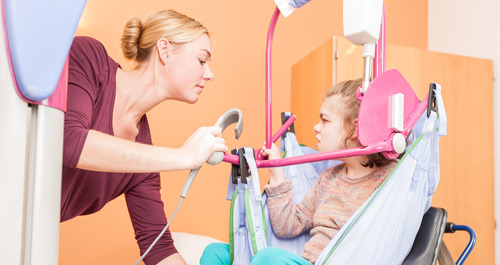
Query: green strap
[[250, 221], [264, 222], [231, 227]]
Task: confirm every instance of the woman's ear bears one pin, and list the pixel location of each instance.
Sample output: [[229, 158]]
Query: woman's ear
[[163, 47]]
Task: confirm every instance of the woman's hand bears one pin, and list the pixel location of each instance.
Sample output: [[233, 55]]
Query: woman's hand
[[201, 145], [277, 175]]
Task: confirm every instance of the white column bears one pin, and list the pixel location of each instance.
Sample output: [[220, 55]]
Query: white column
[[31, 140], [43, 201], [14, 126]]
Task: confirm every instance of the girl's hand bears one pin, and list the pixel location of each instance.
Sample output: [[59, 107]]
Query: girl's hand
[[277, 175], [272, 153]]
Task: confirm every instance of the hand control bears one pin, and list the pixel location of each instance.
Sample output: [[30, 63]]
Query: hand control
[[229, 117]]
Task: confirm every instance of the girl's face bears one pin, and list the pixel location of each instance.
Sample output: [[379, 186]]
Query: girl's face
[[187, 70], [330, 131]]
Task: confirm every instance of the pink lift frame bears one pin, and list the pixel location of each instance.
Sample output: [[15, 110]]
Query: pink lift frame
[[382, 141]]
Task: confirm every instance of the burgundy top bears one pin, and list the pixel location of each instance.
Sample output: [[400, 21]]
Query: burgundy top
[[91, 97]]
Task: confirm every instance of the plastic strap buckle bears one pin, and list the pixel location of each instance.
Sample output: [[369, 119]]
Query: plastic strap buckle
[[284, 118], [431, 103], [241, 169]]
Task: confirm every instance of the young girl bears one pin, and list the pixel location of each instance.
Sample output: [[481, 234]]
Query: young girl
[[337, 194]]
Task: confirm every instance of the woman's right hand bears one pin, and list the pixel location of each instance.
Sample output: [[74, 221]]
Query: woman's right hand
[[201, 145]]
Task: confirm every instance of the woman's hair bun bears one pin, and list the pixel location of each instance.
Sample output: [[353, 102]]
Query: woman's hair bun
[[131, 38]]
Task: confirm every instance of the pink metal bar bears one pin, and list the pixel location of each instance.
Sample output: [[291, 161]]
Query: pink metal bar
[[270, 35], [379, 62], [278, 134], [385, 146], [283, 128], [325, 156], [415, 116], [234, 159]]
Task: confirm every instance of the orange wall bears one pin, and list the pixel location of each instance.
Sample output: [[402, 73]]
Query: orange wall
[[240, 33]]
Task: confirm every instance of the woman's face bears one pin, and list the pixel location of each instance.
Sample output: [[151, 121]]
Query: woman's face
[[187, 70], [330, 131]]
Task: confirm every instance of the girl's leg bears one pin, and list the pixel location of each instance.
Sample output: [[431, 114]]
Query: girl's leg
[[277, 256], [216, 253]]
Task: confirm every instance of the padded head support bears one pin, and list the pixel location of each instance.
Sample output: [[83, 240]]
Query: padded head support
[[374, 118]]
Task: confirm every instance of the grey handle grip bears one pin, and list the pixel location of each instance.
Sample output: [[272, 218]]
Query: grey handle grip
[[227, 118]]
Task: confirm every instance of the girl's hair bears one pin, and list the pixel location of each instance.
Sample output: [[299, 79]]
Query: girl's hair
[[139, 38], [347, 91]]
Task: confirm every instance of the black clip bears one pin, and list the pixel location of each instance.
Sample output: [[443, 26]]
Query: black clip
[[241, 169], [234, 168], [431, 102], [243, 166], [283, 120]]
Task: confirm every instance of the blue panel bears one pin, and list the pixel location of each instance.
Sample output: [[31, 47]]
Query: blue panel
[[40, 34]]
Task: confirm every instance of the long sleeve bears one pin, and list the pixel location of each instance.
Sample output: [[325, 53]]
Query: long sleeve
[[289, 220], [148, 219], [91, 90], [77, 122]]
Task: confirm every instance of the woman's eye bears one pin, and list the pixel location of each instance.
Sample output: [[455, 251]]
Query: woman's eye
[[202, 62]]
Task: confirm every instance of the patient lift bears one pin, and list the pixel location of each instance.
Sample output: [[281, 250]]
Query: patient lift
[[390, 222], [41, 108]]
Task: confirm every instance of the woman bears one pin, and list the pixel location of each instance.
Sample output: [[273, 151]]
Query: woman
[[107, 143]]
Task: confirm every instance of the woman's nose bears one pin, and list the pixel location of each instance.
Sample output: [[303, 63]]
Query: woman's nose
[[208, 75]]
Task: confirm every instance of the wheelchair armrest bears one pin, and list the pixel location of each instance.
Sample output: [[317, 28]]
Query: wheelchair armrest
[[425, 249]]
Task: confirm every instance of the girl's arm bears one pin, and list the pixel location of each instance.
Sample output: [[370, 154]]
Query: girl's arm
[[288, 219]]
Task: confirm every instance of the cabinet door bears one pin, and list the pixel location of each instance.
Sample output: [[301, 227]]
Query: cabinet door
[[466, 153]]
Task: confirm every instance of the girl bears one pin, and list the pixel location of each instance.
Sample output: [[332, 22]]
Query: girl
[[337, 194]]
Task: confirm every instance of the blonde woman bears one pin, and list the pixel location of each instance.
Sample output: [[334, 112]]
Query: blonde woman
[[107, 142]]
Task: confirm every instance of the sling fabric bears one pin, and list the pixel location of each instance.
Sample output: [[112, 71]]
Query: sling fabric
[[382, 231], [247, 223]]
